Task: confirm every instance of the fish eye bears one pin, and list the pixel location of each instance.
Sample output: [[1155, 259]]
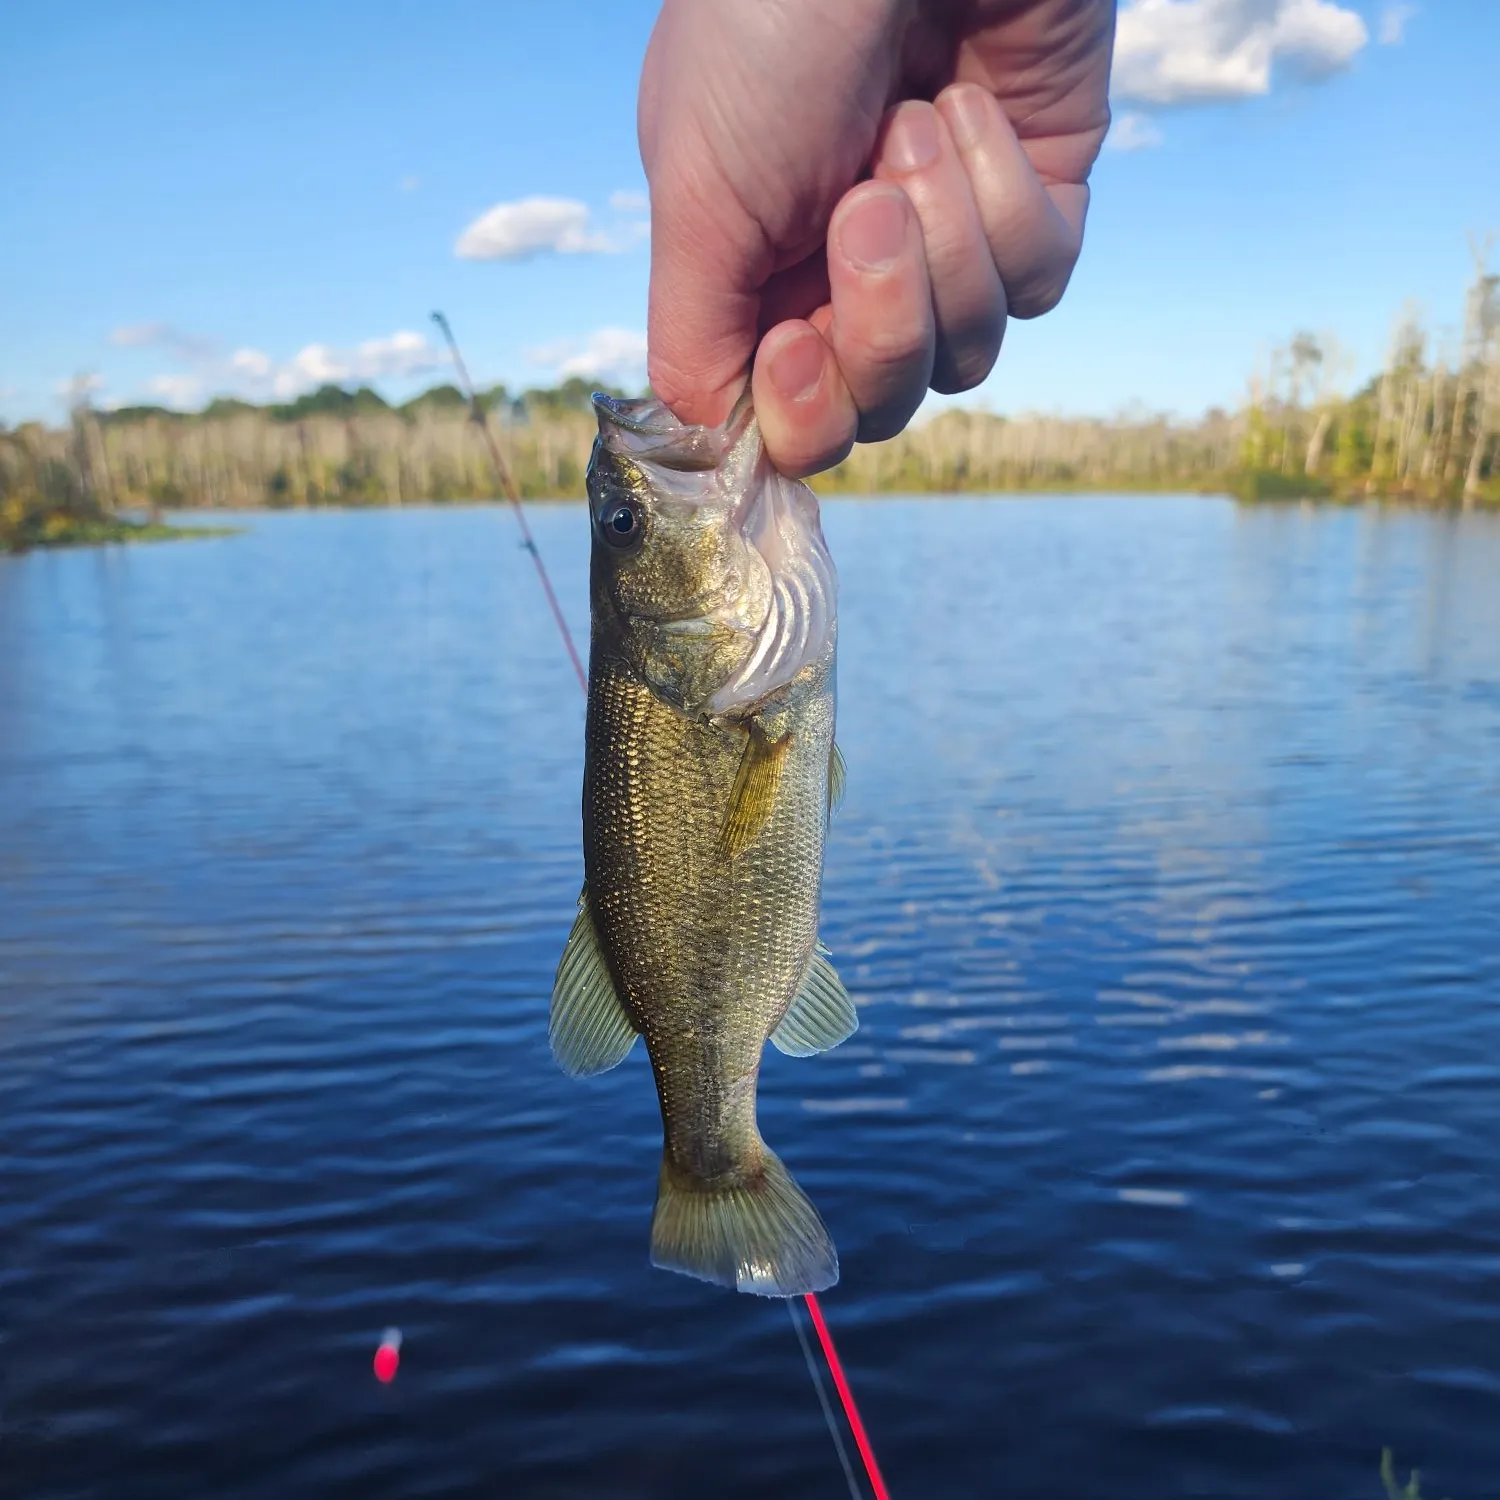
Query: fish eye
[[620, 523]]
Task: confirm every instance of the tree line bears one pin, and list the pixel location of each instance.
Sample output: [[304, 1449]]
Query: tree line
[[1423, 429]]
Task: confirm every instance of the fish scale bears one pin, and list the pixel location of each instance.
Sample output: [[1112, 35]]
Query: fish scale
[[708, 950]]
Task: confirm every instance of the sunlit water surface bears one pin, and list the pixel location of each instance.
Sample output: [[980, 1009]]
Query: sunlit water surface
[[1164, 1163]]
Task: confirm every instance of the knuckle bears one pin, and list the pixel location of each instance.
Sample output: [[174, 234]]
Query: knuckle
[[884, 350], [1040, 294], [882, 422], [666, 381], [964, 368], [797, 461], [974, 341], [888, 379]]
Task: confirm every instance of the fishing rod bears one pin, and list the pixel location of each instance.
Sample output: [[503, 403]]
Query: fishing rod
[[508, 485], [814, 1308]]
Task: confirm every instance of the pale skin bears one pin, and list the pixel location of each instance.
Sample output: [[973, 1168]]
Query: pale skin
[[850, 197]]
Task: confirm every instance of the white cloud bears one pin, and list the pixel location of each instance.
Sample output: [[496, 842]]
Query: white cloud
[[162, 336], [628, 202], [1132, 131], [314, 365], [253, 364], [176, 390], [1393, 21], [1194, 51], [532, 226], [618, 352], [1317, 39], [253, 373], [78, 387], [137, 335], [403, 353]]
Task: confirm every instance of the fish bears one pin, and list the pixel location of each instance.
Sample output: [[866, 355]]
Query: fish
[[710, 775]]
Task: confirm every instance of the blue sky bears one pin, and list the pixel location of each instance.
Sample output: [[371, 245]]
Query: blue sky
[[203, 198]]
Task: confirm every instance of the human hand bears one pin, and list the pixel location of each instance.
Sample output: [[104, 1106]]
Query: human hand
[[758, 121]]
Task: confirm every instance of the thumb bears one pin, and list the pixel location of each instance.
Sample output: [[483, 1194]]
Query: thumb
[[709, 261], [709, 256]]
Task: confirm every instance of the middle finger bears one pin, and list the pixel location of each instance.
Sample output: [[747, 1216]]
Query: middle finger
[[916, 151]]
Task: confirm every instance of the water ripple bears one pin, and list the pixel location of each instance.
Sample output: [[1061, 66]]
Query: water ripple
[[1163, 1161]]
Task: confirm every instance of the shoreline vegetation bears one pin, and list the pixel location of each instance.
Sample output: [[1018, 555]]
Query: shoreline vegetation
[[1423, 431], [68, 528]]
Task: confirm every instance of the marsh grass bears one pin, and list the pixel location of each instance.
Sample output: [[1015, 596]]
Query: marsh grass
[[1394, 1489]]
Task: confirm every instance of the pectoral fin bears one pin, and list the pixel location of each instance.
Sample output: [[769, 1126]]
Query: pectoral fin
[[589, 1030], [835, 779], [755, 787], [821, 1016]]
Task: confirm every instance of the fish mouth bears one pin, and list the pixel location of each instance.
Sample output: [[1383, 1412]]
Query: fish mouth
[[639, 414], [644, 429]]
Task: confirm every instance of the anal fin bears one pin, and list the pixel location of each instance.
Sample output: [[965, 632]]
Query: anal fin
[[589, 1030], [821, 1016]]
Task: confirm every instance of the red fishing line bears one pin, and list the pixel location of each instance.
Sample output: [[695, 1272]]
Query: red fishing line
[[846, 1396]]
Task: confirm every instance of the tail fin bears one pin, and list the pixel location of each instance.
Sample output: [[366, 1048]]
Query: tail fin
[[757, 1233]]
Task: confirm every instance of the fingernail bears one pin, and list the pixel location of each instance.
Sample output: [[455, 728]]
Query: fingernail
[[911, 139], [966, 108], [872, 234], [797, 366]]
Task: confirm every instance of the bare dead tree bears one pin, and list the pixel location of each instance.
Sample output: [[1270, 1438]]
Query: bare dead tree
[[1482, 357]]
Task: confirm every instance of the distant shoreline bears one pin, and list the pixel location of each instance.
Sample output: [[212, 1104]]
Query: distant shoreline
[[67, 532], [336, 448], [64, 532]]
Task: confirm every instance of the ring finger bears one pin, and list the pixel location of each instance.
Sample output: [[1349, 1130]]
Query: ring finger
[[916, 151]]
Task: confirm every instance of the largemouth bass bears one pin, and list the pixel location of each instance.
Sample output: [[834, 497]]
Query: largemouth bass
[[709, 774]]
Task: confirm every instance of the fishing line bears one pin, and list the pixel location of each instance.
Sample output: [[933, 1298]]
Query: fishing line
[[502, 472], [841, 1385], [815, 1311], [833, 1427]]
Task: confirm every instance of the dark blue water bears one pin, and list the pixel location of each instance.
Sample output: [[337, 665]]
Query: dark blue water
[[1166, 1161]]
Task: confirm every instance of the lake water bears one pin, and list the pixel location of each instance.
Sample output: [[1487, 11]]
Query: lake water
[[1165, 1160]]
